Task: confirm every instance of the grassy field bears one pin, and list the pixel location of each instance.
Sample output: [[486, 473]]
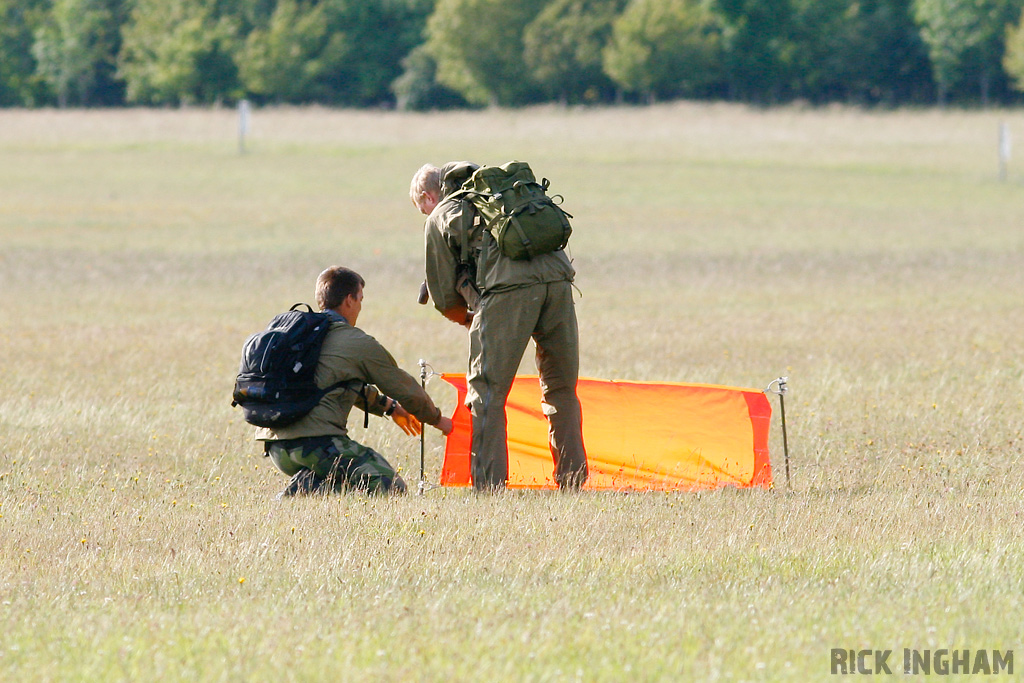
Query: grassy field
[[872, 257]]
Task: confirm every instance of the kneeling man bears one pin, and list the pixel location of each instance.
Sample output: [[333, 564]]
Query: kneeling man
[[316, 451]]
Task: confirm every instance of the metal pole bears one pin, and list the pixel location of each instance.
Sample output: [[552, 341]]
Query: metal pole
[[781, 392], [423, 446], [785, 440]]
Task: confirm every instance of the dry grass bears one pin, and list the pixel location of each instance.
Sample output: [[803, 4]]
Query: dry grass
[[871, 256]]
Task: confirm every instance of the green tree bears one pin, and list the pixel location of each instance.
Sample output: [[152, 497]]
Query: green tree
[[478, 45], [19, 82], [825, 36], [890, 59], [283, 60], [965, 41], [70, 46], [857, 50], [368, 41], [664, 48], [1013, 60], [417, 88], [179, 51], [562, 47], [246, 14], [759, 50]]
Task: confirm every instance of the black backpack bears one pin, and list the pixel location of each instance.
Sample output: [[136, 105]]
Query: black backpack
[[275, 384]]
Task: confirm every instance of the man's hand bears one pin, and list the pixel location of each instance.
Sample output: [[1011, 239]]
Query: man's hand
[[460, 315], [408, 423], [445, 425]]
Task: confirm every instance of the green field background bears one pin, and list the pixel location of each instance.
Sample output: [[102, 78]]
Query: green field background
[[874, 258]]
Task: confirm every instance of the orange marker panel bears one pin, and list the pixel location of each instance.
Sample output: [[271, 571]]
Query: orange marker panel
[[638, 436]]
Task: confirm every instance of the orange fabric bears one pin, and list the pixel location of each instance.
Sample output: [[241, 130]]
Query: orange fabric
[[638, 436]]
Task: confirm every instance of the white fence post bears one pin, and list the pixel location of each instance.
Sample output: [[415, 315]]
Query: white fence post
[[243, 124]]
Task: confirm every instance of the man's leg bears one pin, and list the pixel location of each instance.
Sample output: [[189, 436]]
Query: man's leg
[[497, 339], [292, 457], [324, 464], [558, 364], [359, 467]]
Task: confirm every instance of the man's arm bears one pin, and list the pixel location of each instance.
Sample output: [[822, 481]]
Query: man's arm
[[381, 369], [442, 262], [411, 426], [381, 405]]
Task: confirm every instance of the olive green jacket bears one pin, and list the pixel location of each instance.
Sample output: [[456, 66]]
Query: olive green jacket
[[349, 353], [494, 271]]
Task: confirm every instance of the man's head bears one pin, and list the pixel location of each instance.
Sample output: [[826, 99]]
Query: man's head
[[425, 189], [340, 290]]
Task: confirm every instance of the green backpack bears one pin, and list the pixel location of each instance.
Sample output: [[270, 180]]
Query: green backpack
[[523, 219]]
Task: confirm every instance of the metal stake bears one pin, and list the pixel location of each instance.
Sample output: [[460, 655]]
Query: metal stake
[[781, 392], [423, 431]]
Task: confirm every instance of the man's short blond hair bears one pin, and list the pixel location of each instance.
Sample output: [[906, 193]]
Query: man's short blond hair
[[427, 179]]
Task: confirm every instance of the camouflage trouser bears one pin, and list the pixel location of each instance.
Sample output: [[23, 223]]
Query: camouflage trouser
[[325, 464]]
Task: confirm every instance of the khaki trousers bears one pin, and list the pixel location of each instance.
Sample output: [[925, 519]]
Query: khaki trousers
[[499, 334]]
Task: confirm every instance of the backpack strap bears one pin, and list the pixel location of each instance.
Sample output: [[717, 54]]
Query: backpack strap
[[366, 406], [464, 234], [464, 254], [520, 232]]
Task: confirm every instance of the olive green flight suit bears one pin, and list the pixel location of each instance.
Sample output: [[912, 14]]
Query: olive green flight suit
[[517, 300]]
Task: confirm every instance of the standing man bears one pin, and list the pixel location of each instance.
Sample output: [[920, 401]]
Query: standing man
[[503, 303], [316, 451]]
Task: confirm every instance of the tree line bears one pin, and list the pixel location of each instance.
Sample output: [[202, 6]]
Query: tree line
[[425, 54]]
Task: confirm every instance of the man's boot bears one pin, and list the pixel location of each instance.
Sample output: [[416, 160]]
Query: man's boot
[[302, 483]]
